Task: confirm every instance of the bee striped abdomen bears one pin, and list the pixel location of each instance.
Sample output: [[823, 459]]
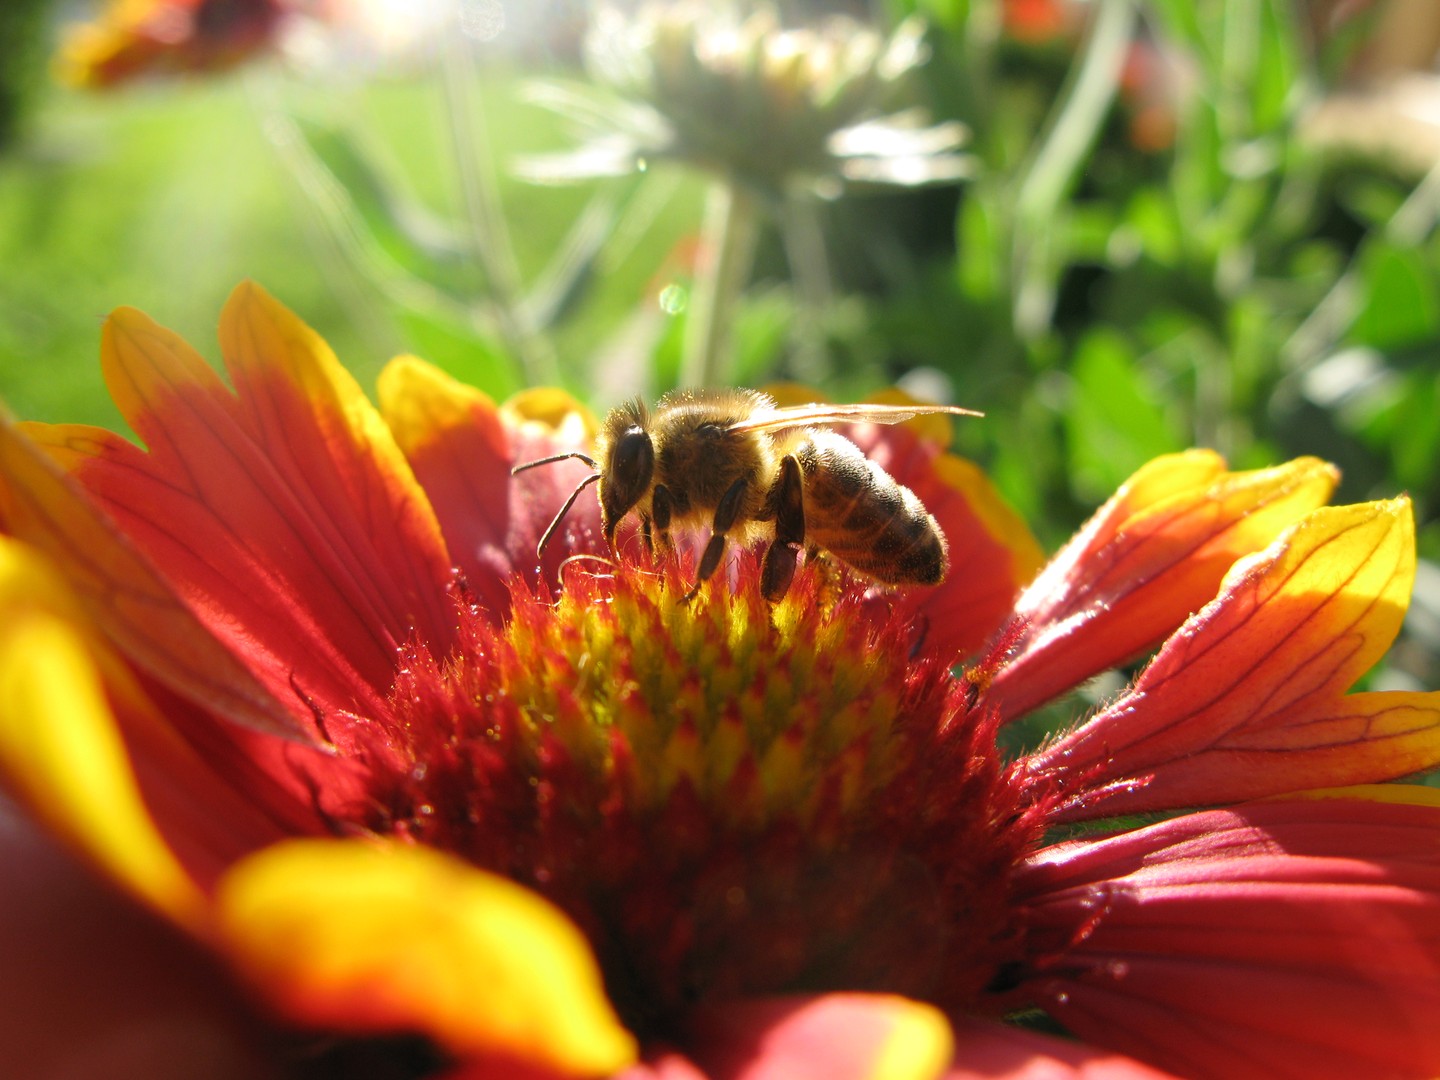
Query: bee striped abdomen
[[858, 513]]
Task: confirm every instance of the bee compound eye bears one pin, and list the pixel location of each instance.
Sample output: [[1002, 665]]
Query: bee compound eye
[[634, 458], [629, 467]]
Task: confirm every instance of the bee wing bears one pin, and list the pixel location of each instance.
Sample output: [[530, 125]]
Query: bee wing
[[818, 415]]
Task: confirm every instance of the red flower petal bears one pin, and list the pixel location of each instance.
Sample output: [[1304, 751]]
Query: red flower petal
[[835, 1036], [121, 592], [283, 515], [94, 987], [664, 1066], [1148, 558], [90, 753], [1245, 700], [322, 434], [1037, 22], [1282, 939], [59, 749], [463, 447], [987, 1050]]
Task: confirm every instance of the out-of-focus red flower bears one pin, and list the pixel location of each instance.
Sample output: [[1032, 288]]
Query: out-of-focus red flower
[[292, 675], [1038, 22], [135, 38], [1150, 82]]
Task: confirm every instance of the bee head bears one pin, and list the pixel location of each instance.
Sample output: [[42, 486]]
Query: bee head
[[627, 467]]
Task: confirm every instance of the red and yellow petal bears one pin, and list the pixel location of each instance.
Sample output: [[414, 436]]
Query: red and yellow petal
[[1405, 794], [1149, 557], [1284, 938], [369, 938], [283, 516], [835, 1036], [554, 409], [462, 448], [121, 592], [60, 750], [320, 431], [992, 555], [1246, 699], [136, 38], [1371, 736]]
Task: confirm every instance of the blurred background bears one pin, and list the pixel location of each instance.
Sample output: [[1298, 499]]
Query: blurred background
[[1119, 227]]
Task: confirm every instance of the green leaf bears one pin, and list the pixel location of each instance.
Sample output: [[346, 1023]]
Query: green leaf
[[1277, 70], [978, 262], [1115, 421], [369, 209], [951, 15], [1151, 214], [462, 351], [1416, 443], [762, 327], [1400, 305]]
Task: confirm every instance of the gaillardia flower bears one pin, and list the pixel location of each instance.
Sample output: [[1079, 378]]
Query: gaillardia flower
[[291, 674], [136, 38]]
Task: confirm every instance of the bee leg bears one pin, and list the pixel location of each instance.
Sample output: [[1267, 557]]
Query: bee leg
[[725, 516], [787, 498], [661, 507]]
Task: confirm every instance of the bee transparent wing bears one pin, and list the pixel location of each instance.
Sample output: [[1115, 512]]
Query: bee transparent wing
[[819, 415]]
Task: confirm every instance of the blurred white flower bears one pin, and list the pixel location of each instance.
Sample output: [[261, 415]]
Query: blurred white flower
[[739, 93]]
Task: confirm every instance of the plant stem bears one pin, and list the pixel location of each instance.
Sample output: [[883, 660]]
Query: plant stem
[[727, 253], [487, 236], [1069, 137], [804, 239]]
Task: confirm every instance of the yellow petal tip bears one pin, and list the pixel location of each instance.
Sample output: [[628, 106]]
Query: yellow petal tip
[[393, 937], [920, 1046]]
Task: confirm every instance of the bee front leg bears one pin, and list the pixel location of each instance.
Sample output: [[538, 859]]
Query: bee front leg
[[787, 498], [726, 514], [661, 508]]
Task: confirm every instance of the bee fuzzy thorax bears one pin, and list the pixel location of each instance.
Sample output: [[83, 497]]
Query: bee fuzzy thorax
[[701, 456]]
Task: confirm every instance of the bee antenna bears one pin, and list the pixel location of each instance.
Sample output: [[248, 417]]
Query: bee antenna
[[574, 455], [555, 524], [583, 556], [587, 556]]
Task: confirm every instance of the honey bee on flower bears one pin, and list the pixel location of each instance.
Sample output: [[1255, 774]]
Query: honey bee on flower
[[737, 462]]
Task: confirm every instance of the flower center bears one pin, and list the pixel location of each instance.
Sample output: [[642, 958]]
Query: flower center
[[729, 797]]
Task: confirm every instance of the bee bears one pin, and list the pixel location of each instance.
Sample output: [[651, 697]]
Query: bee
[[752, 470]]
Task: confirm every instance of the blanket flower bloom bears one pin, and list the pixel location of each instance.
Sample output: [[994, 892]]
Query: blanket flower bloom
[[290, 673], [132, 39]]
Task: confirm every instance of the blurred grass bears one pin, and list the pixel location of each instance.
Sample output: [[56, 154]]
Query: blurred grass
[[162, 200], [165, 197]]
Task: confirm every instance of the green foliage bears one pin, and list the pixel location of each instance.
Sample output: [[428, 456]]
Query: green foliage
[[1148, 255], [22, 37]]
